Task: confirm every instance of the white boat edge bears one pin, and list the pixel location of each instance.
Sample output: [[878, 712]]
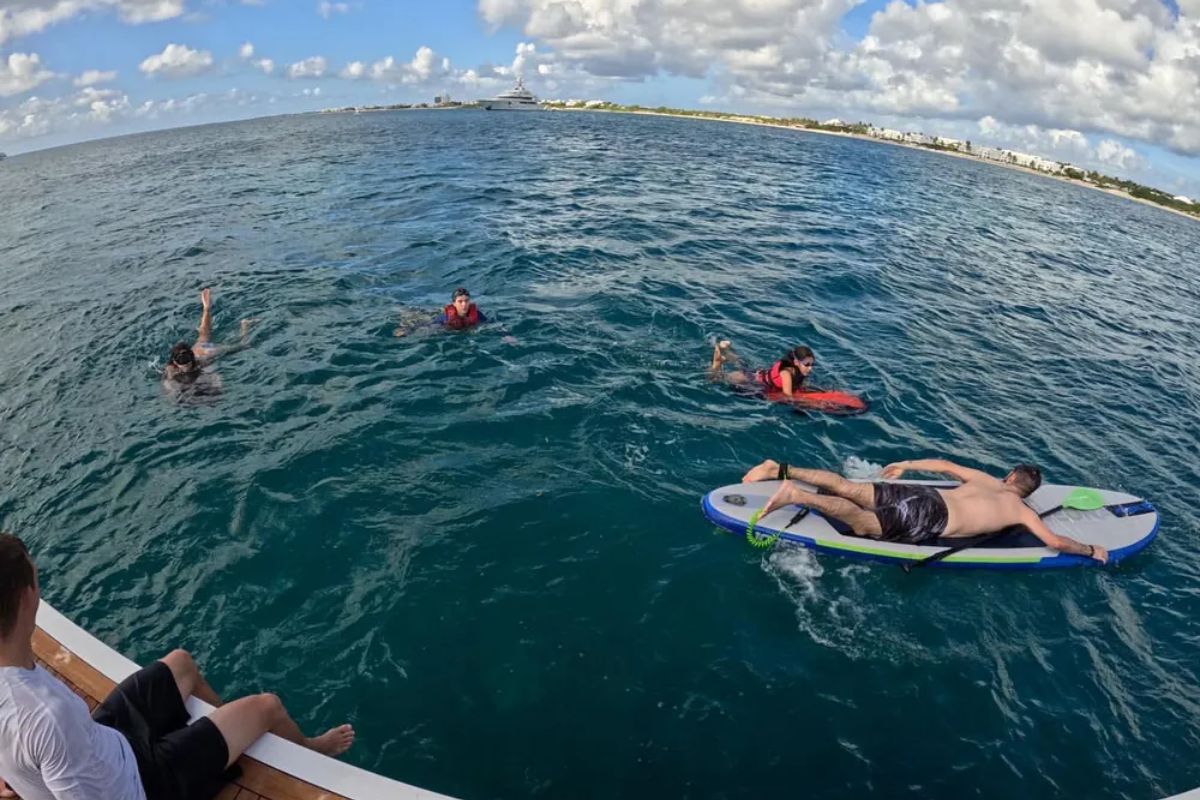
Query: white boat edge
[[321, 771]]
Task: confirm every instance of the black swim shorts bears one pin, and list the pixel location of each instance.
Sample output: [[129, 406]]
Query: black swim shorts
[[176, 761], [910, 513]]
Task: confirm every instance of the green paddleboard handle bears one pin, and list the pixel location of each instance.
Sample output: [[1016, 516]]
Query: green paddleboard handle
[[754, 539], [1083, 499]]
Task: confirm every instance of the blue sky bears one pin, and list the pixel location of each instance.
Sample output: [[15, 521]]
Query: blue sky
[[1107, 84]]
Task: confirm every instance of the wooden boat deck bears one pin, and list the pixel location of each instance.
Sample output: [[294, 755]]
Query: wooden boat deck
[[258, 781], [272, 770]]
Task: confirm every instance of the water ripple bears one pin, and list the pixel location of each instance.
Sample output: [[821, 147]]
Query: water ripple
[[416, 532]]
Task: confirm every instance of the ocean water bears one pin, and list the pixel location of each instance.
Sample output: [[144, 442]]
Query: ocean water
[[488, 554]]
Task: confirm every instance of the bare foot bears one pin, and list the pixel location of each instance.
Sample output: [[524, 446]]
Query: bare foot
[[248, 323], [332, 742], [788, 494], [766, 471], [724, 344], [206, 298]]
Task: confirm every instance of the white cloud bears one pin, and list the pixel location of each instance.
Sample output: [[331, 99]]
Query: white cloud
[[428, 71], [22, 72], [624, 39], [174, 105], [308, 68], [27, 120], [193, 104], [327, 9], [177, 61], [94, 76], [1057, 144], [424, 66], [1129, 68], [353, 71], [1118, 155], [246, 53], [1120, 66], [102, 104], [38, 116], [138, 11], [24, 17]]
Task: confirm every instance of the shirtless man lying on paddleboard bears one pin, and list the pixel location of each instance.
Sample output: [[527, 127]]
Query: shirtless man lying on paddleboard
[[917, 514]]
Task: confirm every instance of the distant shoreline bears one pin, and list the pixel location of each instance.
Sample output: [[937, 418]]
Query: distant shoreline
[[739, 120]]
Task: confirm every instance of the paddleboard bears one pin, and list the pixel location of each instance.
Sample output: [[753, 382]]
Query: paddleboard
[[1124, 526]]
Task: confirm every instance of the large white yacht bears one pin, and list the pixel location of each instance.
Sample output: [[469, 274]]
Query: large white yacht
[[517, 98]]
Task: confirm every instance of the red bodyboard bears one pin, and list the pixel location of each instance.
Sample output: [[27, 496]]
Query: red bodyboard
[[829, 401]]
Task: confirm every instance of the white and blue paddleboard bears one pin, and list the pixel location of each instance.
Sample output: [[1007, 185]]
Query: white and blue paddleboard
[[1124, 526]]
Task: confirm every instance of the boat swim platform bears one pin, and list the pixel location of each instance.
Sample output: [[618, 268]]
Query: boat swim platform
[[272, 769]]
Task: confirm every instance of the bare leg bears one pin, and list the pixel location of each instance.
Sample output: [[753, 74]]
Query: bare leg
[[5, 791], [723, 355], [861, 494], [242, 722], [860, 520], [205, 317], [188, 678]]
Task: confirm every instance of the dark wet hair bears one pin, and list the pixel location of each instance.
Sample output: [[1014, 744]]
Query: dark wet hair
[[1027, 478], [16, 575], [460, 292], [798, 354], [182, 354]]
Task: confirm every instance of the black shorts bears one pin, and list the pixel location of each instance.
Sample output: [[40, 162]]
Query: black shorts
[[176, 761], [910, 513]]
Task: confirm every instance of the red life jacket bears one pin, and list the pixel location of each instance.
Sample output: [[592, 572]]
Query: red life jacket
[[772, 379], [453, 320]]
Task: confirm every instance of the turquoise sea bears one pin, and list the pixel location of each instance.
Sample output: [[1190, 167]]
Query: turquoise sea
[[489, 555]]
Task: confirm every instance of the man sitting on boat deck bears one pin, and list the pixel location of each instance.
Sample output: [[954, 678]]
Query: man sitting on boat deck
[[138, 743], [920, 514]]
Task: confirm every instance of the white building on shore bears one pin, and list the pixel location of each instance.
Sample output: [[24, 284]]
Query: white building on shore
[[917, 138], [953, 144], [1035, 162]]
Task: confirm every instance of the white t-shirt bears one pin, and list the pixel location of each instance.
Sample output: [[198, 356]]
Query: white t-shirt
[[50, 749]]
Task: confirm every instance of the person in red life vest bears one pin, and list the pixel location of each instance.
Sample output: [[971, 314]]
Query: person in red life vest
[[459, 314], [786, 376]]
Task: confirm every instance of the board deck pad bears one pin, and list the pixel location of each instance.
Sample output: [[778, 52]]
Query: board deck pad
[[1124, 526]]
